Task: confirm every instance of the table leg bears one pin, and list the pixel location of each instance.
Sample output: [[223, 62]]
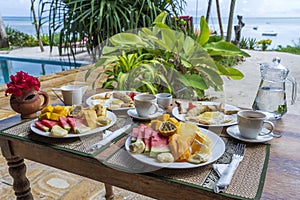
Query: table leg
[[17, 170], [21, 185], [109, 193]]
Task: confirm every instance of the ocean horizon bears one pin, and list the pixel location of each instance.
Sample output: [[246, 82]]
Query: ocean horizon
[[287, 28]]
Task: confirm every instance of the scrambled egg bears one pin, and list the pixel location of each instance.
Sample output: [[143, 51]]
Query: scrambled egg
[[208, 118]]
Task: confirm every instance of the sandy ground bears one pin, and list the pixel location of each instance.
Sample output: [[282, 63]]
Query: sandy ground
[[236, 92]]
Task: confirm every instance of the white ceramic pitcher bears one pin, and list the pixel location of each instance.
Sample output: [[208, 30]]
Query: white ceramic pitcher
[[72, 94]]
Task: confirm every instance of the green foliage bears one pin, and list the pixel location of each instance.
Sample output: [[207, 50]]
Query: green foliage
[[263, 44], [295, 49], [20, 39], [95, 21], [160, 59], [248, 43]]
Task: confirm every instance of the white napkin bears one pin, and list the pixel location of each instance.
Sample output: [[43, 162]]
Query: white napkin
[[225, 172]]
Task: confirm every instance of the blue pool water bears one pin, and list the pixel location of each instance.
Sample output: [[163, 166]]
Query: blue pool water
[[35, 67]]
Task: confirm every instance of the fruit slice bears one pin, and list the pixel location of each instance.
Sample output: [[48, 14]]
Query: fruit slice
[[134, 134], [82, 129], [49, 123], [45, 115], [58, 131], [159, 144], [74, 123], [137, 147], [64, 123], [167, 128], [41, 126], [147, 138]]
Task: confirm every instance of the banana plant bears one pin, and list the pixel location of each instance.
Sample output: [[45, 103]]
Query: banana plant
[[159, 59]]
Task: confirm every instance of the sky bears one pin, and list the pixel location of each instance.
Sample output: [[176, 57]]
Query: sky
[[246, 8]]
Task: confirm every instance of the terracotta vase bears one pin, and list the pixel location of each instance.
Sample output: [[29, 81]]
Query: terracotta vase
[[29, 103]]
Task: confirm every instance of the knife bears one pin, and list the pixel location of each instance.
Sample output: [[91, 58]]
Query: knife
[[108, 138]]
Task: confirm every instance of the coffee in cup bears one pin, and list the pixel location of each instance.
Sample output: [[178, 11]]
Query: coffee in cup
[[145, 104], [250, 123], [164, 100]]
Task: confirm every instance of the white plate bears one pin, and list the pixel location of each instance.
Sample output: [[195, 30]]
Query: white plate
[[234, 132], [133, 113], [217, 150], [181, 117], [109, 114], [106, 102]]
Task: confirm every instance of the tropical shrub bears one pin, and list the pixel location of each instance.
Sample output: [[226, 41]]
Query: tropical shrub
[[20, 39], [159, 59], [263, 44], [95, 21], [295, 49], [248, 43]]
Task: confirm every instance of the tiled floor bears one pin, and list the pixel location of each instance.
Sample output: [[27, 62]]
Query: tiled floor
[[48, 183]]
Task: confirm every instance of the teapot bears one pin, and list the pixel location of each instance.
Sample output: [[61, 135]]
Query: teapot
[[72, 94], [271, 95]]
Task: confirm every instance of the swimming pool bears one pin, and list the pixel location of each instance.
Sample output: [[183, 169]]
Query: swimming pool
[[10, 65]]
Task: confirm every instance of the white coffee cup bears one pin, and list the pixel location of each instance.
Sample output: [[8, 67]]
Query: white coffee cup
[[164, 100], [145, 104], [72, 94], [250, 123]]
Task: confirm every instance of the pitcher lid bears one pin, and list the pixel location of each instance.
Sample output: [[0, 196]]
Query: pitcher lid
[[276, 64]]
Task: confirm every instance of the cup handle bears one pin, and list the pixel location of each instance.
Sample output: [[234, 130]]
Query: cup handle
[[57, 89], [156, 108], [271, 125], [46, 99]]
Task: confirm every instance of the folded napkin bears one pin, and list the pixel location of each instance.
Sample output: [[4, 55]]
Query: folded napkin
[[225, 172]]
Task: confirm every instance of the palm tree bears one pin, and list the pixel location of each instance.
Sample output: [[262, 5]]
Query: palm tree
[[95, 21]]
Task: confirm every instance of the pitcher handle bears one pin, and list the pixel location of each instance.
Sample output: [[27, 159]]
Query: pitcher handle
[[294, 89], [46, 99]]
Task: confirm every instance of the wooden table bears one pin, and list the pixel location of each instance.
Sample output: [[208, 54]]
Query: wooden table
[[281, 182]]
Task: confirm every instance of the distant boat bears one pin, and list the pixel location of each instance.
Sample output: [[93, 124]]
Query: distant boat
[[255, 28], [269, 33]]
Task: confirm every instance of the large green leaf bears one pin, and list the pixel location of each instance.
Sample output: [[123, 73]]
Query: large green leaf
[[224, 48], [125, 39], [196, 81], [161, 18], [204, 32]]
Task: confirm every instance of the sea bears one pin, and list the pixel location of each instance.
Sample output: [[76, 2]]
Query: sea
[[287, 29]]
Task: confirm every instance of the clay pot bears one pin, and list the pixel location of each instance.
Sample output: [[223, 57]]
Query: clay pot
[[29, 103]]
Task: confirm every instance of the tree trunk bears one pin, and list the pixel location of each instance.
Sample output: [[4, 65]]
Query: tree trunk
[[37, 29], [208, 10], [229, 28], [3, 35], [219, 18]]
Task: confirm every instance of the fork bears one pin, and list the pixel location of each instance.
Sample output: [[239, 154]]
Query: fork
[[228, 173]]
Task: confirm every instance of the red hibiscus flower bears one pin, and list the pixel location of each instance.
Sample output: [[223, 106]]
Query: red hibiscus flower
[[20, 82]]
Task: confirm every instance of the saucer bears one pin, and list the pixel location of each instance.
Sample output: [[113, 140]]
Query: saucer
[[234, 132], [133, 113]]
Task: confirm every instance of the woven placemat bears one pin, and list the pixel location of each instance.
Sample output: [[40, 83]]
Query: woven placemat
[[80, 145], [247, 182]]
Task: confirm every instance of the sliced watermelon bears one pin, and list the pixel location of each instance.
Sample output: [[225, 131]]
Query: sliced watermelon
[[41, 126], [49, 123], [141, 134], [134, 134], [74, 123], [159, 144], [147, 135], [64, 123]]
